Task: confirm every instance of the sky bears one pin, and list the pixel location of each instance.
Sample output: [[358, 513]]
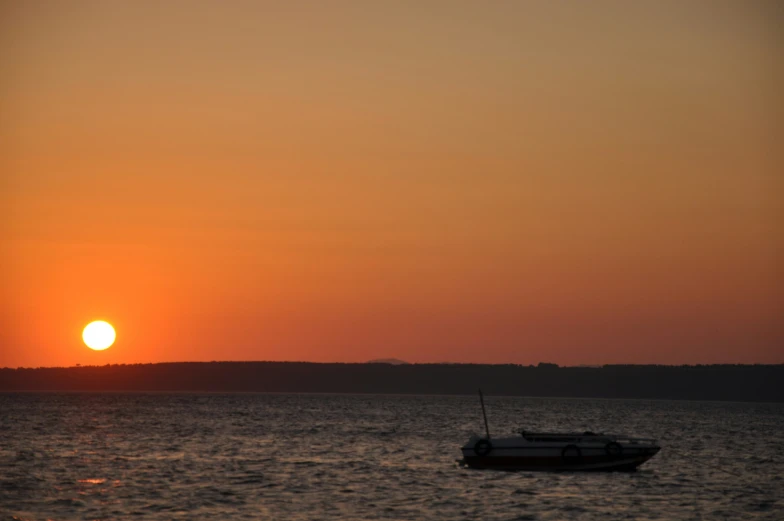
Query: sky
[[463, 181]]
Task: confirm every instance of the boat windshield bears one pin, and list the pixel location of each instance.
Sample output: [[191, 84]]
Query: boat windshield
[[559, 439]]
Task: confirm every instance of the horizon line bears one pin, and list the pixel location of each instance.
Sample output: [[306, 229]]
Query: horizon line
[[539, 365]]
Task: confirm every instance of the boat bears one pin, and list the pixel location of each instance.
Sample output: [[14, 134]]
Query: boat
[[549, 451]]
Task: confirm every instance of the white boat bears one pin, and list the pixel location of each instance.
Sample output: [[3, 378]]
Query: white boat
[[558, 451]]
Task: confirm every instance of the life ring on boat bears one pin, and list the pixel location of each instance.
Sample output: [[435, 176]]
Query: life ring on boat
[[483, 447], [571, 455], [614, 449]]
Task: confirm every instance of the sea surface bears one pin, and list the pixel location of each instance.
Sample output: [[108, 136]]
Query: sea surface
[[107, 456]]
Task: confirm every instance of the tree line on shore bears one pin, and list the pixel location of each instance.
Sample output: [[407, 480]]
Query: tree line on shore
[[699, 382]]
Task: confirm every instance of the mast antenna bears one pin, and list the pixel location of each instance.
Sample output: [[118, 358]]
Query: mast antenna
[[484, 414]]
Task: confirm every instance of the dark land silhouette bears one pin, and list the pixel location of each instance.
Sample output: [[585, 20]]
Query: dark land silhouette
[[701, 382], [393, 361]]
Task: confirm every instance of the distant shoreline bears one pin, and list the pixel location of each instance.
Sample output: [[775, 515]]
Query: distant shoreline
[[315, 393], [740, 383]]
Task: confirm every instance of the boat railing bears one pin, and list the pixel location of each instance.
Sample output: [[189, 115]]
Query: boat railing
[[576, 436]]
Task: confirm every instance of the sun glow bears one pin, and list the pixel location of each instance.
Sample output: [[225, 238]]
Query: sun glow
[[98, 335]]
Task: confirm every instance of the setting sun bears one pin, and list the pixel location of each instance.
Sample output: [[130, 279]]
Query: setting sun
[[98, 335]]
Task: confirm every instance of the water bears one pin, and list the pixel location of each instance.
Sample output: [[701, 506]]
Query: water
[[268, 456]]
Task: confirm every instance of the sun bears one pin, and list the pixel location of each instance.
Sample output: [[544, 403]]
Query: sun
[[98, 335]]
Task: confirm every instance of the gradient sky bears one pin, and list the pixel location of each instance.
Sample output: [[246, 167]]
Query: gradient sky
[[573, 182]]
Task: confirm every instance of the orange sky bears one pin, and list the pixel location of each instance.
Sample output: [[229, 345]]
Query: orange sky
[[434, 181]]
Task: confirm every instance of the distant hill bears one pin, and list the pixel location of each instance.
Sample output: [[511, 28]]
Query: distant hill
[[701, 382], [392, 361]]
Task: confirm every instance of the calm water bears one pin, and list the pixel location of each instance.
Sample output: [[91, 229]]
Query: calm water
[[266, 456]]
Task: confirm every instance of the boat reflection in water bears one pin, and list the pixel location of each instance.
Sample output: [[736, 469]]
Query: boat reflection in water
[[557, 451]]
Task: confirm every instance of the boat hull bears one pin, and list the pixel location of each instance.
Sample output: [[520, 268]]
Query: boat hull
[[529, 463], [559, 452]]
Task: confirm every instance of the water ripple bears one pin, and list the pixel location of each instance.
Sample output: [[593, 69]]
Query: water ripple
[[259, 456]]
